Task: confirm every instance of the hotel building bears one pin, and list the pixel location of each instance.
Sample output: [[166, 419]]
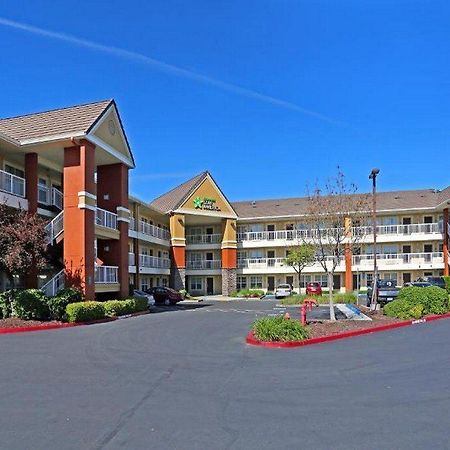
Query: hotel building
[[71, 167]]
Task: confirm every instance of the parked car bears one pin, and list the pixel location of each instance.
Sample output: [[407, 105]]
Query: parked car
[[435, 281], [313, 288], [283, 290], [166, 296], [141, 294], [387, 291], [421, 284]]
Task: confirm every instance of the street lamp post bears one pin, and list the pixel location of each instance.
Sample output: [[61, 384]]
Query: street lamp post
[[373, 177]]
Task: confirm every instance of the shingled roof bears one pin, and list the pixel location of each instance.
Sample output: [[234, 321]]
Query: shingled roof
[[75, 120], [174, 198], [386, 201]]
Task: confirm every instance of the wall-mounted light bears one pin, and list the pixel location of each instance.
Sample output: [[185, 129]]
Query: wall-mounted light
[[106, 197], [106, 248]]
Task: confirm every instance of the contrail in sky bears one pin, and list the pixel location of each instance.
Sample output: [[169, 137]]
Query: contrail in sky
[[165, 67]]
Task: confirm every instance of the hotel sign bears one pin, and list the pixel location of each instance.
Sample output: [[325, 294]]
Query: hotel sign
[[206, 203]]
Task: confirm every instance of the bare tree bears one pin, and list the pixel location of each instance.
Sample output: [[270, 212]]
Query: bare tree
[[335, 217]]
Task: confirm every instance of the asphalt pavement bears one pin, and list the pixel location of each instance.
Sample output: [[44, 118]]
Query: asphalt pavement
[[183, 378]]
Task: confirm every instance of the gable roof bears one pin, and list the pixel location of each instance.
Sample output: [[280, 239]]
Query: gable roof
[[73, 120], [386, 201], [171, 200]]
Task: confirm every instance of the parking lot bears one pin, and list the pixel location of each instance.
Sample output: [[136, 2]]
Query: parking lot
[[183, 378]]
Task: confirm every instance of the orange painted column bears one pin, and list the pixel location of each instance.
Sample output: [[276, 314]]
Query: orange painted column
[[31, 193], [79, 215], [112, 195], [177, 251], [348, 253], [445, 246]]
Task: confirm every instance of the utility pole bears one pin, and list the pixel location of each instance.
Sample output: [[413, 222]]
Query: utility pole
[[373, 177]]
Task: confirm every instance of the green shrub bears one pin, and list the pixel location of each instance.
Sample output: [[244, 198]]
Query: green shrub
[[279, 329], [414, 303], [447, 284], [57, 305], [6, 303], [30, 304], [348, 297], [139, 304], [85, 311], [119, 307], [248, 293]]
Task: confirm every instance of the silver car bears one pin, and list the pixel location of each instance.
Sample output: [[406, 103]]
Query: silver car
[[141, 294], [283, 290]]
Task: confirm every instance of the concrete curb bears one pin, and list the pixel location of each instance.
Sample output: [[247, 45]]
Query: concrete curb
[[250, 339], [55, 326]]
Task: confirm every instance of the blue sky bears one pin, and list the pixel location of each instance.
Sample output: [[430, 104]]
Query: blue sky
[[272, 95]]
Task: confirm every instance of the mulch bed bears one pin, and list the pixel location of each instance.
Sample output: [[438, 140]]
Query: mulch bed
[[19, 323], [327, 328]]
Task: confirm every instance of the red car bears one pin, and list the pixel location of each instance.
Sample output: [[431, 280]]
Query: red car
[[166, 295], [314, 288]]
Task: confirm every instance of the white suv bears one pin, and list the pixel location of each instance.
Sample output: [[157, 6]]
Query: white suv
[[283, 290]]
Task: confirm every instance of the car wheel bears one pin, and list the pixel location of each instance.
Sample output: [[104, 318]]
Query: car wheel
[[167, 302]]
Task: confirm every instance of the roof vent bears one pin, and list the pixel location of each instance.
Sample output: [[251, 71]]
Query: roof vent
[[254, 204], [396, 197], [277, 204], [435, 191]]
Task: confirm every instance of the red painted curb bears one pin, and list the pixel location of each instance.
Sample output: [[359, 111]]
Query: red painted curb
[[54, 326], [250, 339]]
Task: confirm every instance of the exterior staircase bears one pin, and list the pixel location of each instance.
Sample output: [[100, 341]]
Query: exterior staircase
[[52, 287], [55, 228]]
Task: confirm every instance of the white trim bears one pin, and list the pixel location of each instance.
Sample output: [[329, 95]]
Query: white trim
[[198, 212], [54, 137], [99, 142], [87, 194], [86, 206], [123, 219], [121, 208]]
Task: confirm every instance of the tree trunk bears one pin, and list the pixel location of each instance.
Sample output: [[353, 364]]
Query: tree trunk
[[299, 284], [330, 295]]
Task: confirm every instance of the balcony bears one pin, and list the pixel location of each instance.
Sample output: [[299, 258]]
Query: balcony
[[106, 219], [203, 239], [204, 264], [143, 230], [131, 259], [50, 196], [106, 274], [277, 265], [12, 184], [400, 261], [154, 262]]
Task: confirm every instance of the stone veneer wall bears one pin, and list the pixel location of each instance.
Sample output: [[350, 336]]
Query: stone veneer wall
[[229, 281], [177, 278]]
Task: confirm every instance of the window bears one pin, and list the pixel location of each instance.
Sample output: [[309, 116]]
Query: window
[[13, 171], [256, 282], [256, 254], [144, 283], [322, 279], [195, 283], [290, 280], [304, 280], [164, 282], [241, 283]]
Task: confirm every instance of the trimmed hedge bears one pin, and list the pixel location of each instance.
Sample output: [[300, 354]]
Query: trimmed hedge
[[415, 302], [58, 304], [139, 304], [118, 307], [85, 311], [248, 293], [279, 329], [348, 297], [6, 303], [30, 304]]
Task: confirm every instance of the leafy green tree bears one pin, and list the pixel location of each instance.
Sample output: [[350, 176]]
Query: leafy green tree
[[299, 257]]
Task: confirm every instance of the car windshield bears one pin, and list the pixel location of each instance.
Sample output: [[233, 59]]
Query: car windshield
[[284, 286], [387, 283]]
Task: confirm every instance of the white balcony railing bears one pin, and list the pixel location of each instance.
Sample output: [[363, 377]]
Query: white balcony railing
[[149, 229], [12, 184], [399, 258], [292, 235], [204, 264], [154, 262], [106, 219], [203, 239], [50, 196], [131, 259], [55, 227], [52, 287], [106, 274]]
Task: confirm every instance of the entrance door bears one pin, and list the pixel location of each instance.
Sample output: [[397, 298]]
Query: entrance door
[[406, 278], [271, 232], [406, 221], [406, 250], [209, 258], [336, 281], [428, 249], [209, 286], [271, 284], [271, 258]]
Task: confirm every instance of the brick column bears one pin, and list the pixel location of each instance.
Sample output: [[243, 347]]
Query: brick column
[[445, 246], [348, 253], [31, 193], [229, 257], [177, 252], [112, 195], [79, 215], [137, 277]]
